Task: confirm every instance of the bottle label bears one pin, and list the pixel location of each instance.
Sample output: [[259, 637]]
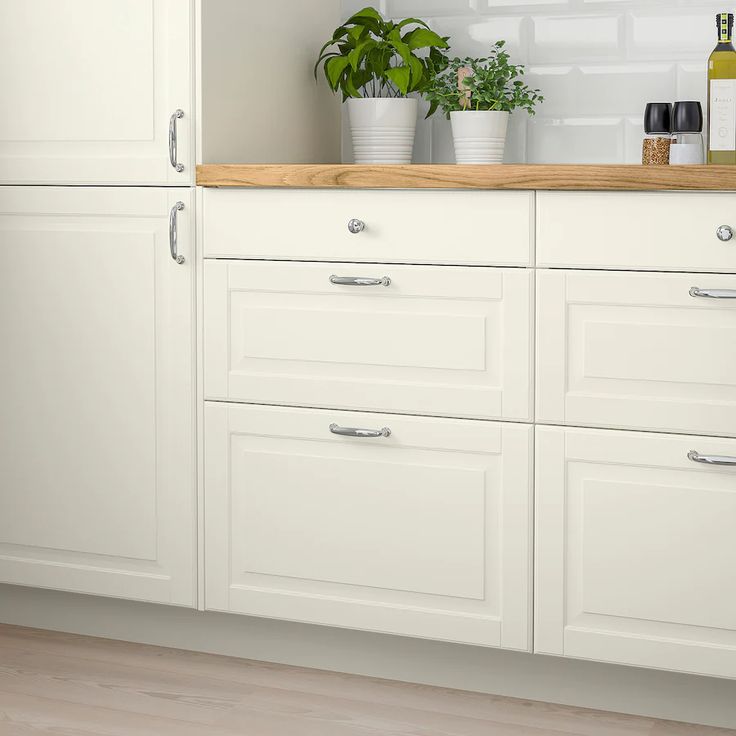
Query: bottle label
[[724, 28], [723, 115]]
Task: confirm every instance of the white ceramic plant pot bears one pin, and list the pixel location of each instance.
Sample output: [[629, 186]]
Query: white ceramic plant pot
[[382, 129], [479, 136]]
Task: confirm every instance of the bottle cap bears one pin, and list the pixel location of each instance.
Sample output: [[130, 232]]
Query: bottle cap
[[658, 118], [687, 117]]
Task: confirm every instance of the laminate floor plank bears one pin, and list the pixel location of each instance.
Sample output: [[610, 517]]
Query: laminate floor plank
[[509, 710], [71, 685]]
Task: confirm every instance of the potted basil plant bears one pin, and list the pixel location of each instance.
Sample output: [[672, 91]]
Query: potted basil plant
[[376, 64], [478, 95]]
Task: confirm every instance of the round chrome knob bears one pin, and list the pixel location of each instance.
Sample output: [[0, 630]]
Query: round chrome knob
[[356, 226], [724, 233]]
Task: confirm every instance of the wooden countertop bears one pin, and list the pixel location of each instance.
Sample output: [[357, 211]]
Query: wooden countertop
[[508, 176]]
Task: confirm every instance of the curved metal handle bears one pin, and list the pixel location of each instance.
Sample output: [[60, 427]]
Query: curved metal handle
[[356, 226], [174, 233], [713, 293], [696, 457], [359, 281], [362, 433], [173, 142]]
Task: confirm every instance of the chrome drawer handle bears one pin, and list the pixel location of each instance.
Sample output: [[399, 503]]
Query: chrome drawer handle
[[696, 457], [356, 226], [363, 433], [173, 143], [174, 233], [725, 233], [713, 293], [359, 281]]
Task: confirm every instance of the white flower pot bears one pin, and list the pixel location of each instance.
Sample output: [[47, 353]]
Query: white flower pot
[[382, 129], [479, 136]]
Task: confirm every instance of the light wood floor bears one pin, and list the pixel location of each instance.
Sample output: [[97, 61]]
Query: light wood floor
[[70, 685]]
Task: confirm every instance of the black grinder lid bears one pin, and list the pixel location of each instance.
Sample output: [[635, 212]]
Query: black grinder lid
[[687, 117], [658, 118]]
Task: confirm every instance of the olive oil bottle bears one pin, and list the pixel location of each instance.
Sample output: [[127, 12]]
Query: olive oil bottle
[[722, 95]]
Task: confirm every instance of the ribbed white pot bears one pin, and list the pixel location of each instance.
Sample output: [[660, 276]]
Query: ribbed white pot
[[479, 136], [382, 129]]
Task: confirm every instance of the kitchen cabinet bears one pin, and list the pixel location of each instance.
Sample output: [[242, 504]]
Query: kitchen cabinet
[[446, 341], [423, 529], [97, 447], [635, 549], [385, 226], [90, 88], [651, 351], [639, 231]]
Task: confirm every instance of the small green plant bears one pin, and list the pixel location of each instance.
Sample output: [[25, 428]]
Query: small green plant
[[372, 57], [492, 83]]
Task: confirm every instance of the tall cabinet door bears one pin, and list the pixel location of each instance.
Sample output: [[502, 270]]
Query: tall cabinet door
[[635, 549], [89, 88], [97, 490]]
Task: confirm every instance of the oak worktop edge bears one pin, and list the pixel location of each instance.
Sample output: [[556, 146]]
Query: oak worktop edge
[[568, 177]]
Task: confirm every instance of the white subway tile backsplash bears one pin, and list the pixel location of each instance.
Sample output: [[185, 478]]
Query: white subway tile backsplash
[[562, 38], [669, 33], [575, 140], [598, 62], [474, 37]]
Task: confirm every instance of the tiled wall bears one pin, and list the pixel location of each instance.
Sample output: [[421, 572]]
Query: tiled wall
[[598, 62]]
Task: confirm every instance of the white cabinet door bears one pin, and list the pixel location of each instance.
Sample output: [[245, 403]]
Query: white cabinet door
[[425, 532], [637, 351], [96, 425], [446, 341], [88, 88], [635, 549]]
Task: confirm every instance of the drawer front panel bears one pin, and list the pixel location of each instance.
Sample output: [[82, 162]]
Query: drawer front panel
[[635, 549], [637, 351], [400, 226], [424, 532], [443, 341], [659, 231]]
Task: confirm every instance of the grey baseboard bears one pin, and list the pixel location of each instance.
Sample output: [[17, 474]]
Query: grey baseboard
[[703, 700]]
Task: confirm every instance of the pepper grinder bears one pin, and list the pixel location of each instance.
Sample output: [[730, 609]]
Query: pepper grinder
[[658, 129], [688, 146]]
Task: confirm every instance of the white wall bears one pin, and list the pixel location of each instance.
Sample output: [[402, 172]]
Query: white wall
[[597, 61]]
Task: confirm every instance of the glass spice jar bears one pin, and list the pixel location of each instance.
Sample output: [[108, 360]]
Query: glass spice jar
[[658, 138]]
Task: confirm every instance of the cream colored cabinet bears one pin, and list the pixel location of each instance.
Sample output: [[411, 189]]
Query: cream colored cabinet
[[637, 350], [447, 341], [370, 226], [635, 549], [419, 527], [89, 88], [96, 388], [637, 231]]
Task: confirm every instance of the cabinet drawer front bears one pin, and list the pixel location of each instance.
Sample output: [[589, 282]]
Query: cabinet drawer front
[[445, 341], [659, 231], [635, 549], [400, 226], [400, 533], [637, 351]]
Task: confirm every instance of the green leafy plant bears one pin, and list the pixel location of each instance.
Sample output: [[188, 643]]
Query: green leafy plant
[[372, 57], [492, 83]]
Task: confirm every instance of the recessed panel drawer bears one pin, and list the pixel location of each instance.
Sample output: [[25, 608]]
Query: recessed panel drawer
[[446, 341], [420, 526], [457, 227], [639, 351], [658, 231], [635, 549]]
